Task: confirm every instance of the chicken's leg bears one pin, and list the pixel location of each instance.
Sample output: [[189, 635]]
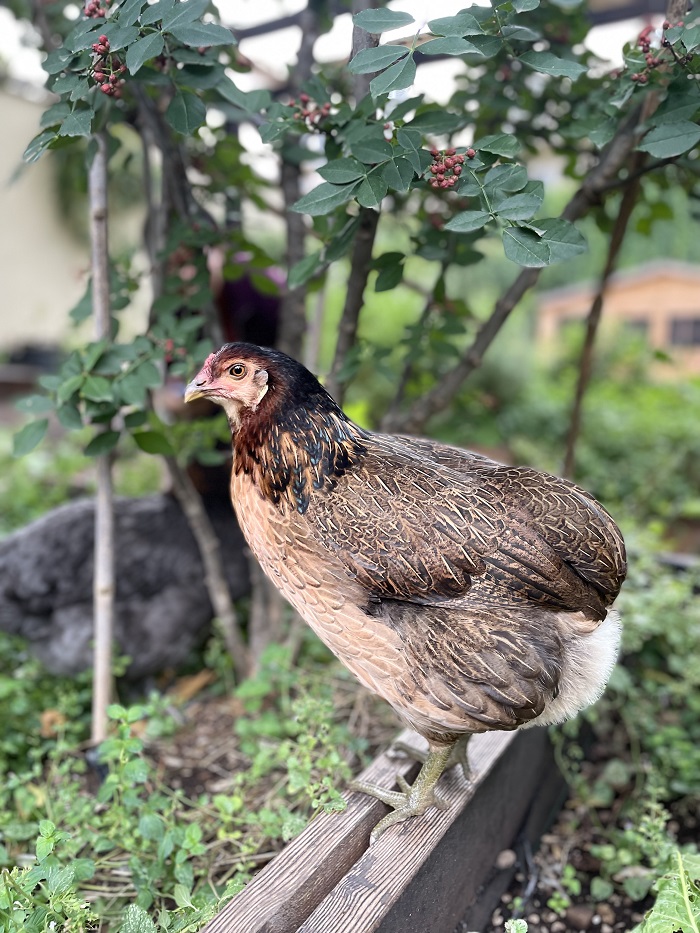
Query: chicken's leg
[[459, 754], [410, 800]]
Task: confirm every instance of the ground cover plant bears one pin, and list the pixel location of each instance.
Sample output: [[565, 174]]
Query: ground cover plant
[[181, 807]]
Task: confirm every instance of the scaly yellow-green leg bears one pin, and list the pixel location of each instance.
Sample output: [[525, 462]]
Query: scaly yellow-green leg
[[410, 800]]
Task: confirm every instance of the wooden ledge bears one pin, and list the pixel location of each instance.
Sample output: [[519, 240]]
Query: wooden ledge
[[423, 874]]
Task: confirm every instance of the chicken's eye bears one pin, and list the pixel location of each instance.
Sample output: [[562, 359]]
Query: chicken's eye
[[238, 370]]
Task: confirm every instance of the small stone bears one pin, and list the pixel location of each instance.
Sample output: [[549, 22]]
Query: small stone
[[607, 914], [506, 898], [506, 859], [558, 927], [496, 918], [579, 916], [533, 918], [606, 928], [596, 921]]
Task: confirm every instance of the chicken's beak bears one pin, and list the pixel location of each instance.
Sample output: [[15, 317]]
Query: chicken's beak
[[197, 388]]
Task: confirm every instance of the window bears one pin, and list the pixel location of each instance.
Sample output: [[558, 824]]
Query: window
[[685, 331], [639, 326]]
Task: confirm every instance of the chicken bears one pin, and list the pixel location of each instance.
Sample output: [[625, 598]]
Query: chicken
[[470, 595]]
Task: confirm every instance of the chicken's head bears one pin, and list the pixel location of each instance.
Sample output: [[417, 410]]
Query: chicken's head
[[247, 380]]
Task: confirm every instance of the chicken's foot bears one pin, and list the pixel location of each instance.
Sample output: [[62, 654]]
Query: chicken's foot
[[410, 800]]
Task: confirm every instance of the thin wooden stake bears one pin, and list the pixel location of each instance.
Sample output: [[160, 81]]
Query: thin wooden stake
[[103, 581]]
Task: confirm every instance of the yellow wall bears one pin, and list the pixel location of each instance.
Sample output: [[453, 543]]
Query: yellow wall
[[658, 295]]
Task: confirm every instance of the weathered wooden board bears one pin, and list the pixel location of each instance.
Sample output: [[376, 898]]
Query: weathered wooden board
[[421, 875], [424, 874], [284, 893]]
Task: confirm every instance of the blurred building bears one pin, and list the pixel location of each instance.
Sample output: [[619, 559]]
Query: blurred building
[[659, 301]]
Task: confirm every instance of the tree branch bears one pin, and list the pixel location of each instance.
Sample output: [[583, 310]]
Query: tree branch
[[293, 311], [361, 259], [215, 578], [629, 199]]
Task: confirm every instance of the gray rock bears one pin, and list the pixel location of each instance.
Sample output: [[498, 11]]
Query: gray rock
[[162, 610]]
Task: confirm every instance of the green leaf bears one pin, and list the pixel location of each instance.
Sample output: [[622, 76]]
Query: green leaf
[[156, 12], [463, 24], [56, 61], [670, 139], [439, 121], [28, 437], [343, 240], [389, 276], [324, 199], [152, 442], [143, 50], [563, 239], [43, 847], [372, 190], [691, 38], [372, 148], [130, 11], [679, 105], [38, 146], [488, 46], [119, 36], [502, 144], [550, 64], [135, 771], [46, 828], [69, 416], [525, 248], [78, 123], [368, 61], [450, 45], [66, 83], [35, 404], [521, 206], [182, 12], [409, 138], [677, 905], [250, 101], [398, 76], [303, 270], [151, 827], [182, 895], [505, 178], [398, 174], [69, 386], [97, 389], [341, 171], [203, 34], [185, 113], [102, 443], [136, 920], [378, 21], [468, 221], [521, 33], [524, 6]]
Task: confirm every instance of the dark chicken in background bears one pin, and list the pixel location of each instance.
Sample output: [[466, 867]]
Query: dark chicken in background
[[470, 595]]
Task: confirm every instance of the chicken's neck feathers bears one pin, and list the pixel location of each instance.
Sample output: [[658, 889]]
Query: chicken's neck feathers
[[292, 451]]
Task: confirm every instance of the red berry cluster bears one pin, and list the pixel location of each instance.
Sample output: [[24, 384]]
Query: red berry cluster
[[654, 60], [307, 110], [446, 167], [94, 8], [107, 69]]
